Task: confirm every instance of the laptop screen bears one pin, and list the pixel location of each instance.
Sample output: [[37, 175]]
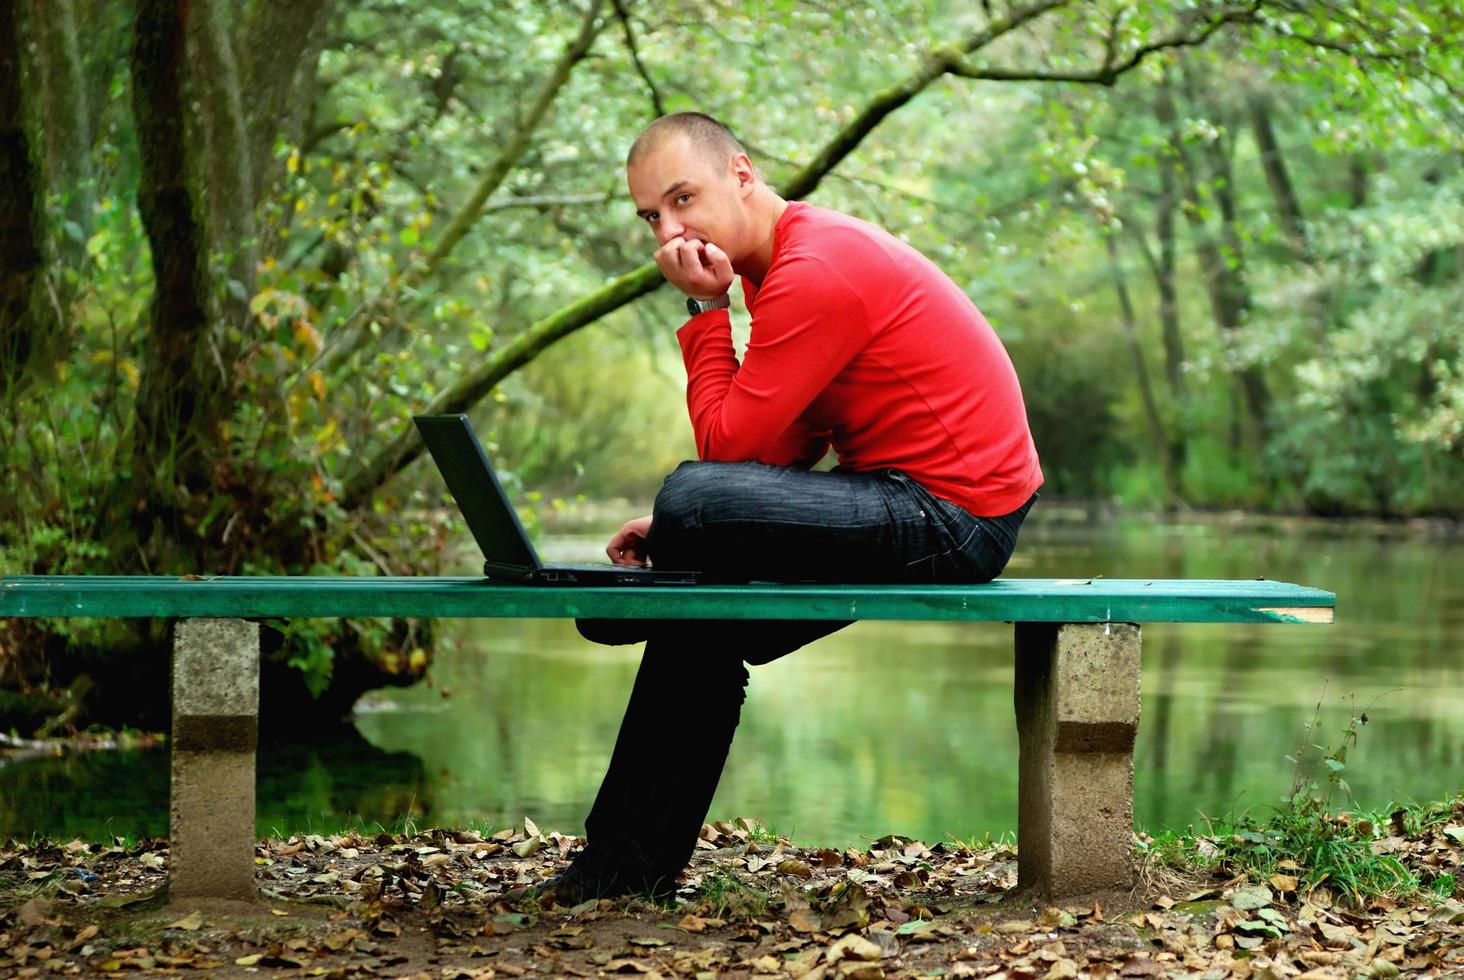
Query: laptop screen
[[474, 486]]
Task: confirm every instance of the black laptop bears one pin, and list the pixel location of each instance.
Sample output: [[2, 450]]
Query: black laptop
[[508, 552]]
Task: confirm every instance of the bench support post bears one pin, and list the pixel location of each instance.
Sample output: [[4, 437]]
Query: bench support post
[[215, 731], [1077, 700]]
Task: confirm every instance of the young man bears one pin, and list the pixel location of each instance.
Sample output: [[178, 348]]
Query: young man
[[858, 342]]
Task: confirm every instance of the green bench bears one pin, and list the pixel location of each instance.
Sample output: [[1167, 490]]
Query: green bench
[[1077, 682]]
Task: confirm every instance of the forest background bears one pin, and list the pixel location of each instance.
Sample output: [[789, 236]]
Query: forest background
[[242, 241]]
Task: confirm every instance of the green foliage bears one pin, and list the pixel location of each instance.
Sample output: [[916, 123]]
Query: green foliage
[[355, 318], [1306, 837], [724, 895]]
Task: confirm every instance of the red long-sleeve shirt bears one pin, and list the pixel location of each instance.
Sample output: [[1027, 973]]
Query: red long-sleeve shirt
[[860, 341]]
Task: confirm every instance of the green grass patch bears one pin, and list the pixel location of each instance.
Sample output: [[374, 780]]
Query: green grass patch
[[1309, 837], [723, 895]]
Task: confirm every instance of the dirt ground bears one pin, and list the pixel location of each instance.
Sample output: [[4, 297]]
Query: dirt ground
[[751, 905]]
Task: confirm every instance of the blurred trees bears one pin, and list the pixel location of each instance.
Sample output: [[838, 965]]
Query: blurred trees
[[244, 241]]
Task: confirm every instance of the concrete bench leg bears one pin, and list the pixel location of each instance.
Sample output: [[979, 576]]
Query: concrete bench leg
[[215, 731], [1077, 700]]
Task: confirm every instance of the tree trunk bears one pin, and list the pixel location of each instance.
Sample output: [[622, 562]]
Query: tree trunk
[[1164, 276], [65, 126], [23, 327], [279, 44], [1224, 274], [1359, 171], [183, 390], [1141, 377], [1273, 162], [225, 160]]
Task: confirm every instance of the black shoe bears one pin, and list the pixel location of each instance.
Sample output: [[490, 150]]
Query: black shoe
[[575, 886]]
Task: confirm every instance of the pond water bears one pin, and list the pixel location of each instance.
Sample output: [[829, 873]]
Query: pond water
[[885, 727]]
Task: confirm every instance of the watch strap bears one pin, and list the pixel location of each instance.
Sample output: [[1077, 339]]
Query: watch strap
[[695, 306]]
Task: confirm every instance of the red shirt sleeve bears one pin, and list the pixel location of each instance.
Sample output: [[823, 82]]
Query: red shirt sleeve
[[807, 323]]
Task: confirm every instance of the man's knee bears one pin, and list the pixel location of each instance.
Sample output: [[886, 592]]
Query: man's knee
[[677, 514], [685, 490]]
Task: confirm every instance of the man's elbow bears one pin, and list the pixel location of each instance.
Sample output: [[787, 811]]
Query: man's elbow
[[716, 448]]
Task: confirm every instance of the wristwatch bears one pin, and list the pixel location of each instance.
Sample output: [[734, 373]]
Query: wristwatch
[[695, 306]]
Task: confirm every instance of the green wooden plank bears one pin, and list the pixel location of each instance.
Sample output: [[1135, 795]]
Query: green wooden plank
[[1027, 600]]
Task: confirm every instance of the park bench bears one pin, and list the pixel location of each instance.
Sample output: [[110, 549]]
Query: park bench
[[1077, 682]]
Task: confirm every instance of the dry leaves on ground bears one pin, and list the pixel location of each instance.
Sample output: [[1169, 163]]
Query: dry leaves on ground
[[432, 905]]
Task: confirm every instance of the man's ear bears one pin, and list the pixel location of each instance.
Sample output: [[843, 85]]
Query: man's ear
[[744, 172]]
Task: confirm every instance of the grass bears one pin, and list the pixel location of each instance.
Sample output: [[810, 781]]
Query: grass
[[1306, 838], [724, 895], [985, 842]]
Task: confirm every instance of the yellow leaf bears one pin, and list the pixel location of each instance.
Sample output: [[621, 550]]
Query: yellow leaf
[[192, 922], [327, 435], [307, 336], [417, 659], [317, 384], [130, 371], [1284, 883], [249, 960]]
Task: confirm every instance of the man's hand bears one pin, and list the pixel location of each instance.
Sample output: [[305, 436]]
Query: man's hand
[[628, 547], [699, 269]]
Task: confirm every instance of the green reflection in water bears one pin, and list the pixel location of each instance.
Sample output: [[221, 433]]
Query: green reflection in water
[[908, 727], [884, 727]]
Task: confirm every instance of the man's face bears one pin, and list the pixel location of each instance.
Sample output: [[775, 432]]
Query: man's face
[[682, 193]]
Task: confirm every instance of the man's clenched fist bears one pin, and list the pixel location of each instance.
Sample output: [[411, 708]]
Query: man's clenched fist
[[699, 269]]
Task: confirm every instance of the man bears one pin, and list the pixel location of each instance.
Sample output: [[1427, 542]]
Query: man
[[858, 342]]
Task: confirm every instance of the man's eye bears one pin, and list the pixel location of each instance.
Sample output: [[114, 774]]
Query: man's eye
[[653, 216], [682, 198]]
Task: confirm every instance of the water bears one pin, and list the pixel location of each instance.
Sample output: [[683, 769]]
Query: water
[[885, 727]]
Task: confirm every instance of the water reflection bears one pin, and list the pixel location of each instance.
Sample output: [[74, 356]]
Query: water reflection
[[887, 727], [302, 786]]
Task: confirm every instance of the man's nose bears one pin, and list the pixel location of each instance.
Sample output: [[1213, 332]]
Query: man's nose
[[668, 228]]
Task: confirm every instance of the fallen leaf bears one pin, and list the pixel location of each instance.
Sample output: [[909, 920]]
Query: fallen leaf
[[35, 912], [796, 868], [865, 971], [1337, 937], [692, 923], [854, 947], [1284, 883], [1251, 897], [193, 921], [803, 920], [1055, 918], [1450, 912]]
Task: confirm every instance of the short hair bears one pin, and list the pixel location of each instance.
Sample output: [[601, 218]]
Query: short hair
[[710, 137]]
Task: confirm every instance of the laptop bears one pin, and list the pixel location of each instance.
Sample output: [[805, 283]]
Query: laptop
[[509, 554]]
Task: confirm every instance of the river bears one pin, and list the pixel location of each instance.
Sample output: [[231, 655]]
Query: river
[[887, 727]]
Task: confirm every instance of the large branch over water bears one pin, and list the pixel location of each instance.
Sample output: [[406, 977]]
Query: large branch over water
[[356, 331], [939, 61]]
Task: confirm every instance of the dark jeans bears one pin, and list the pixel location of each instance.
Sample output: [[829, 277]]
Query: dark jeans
[[737, 522]]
